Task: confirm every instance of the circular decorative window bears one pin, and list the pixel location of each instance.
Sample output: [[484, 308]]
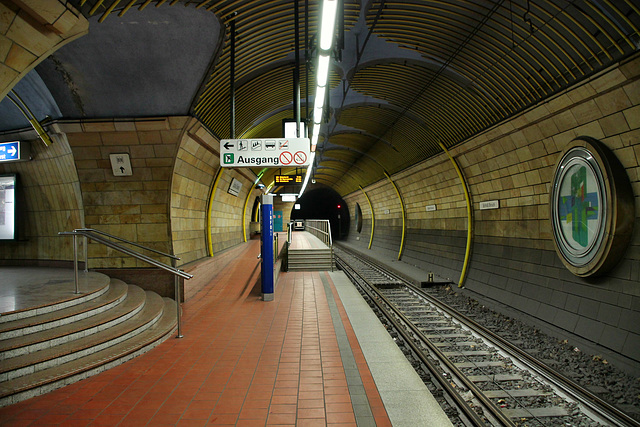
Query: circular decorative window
[[358, 218], [592, 208]]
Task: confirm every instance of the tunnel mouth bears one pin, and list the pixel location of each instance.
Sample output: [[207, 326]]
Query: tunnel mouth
[[325, 203]]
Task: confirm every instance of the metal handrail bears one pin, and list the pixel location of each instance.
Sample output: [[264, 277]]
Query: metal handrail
[[89, 233], [321, 228], [93, 230]]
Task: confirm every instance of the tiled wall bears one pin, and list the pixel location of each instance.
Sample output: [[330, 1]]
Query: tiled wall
[[513, 262], [31, 32]]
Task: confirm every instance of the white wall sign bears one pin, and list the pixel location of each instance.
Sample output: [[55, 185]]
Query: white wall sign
[[431, 208], [490, 204], [234, 187], [275, 152], [121, 164]]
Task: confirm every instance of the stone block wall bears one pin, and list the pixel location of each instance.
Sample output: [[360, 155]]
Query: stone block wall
[[514, 266], [133, 207], [196, 164], [49, 200], [226, 212], [163, 205], [30, 30]]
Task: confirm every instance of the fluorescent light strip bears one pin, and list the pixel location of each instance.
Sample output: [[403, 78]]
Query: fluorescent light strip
[[323, 70], [327, 29], [320, 95]]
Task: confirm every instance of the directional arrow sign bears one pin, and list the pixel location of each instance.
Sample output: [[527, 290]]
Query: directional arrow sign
[[11, 152], [268, 152]]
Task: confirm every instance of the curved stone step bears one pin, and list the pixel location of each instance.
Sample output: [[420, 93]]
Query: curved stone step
[[47, 380], [97, 282], [112, 295], [131, 302], [44, 359]]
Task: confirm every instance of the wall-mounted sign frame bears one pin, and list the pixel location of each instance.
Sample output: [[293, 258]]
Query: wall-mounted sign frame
[[8, 207], [121, 164], [270, 152], [591, 208], [234, 187], [14, 151]]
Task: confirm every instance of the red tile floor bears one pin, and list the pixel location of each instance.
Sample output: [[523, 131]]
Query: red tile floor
[[242, 362]]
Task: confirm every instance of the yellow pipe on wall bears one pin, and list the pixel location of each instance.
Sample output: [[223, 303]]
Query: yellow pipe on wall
[[244, 212], [467, 196], [26, 111], [404, 227], [373, 217], [209, 208]]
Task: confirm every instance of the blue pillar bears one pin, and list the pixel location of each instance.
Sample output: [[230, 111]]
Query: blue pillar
[[267, 247]]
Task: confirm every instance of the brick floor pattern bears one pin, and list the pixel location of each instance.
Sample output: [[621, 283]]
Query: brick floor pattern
[[242, 362]]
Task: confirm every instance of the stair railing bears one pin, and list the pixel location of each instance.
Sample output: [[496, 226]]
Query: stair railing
[[103, 238], [321, 228]]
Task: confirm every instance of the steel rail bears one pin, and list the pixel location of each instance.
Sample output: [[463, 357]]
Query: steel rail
[[436, 372], [602, 408], [566, 385]]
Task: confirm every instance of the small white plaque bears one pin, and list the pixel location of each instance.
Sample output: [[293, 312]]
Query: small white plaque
[[431, 208], [234, 187], [491, 204], [121, 164]]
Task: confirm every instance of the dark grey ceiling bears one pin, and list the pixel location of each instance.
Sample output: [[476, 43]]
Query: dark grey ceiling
[[148, 63]]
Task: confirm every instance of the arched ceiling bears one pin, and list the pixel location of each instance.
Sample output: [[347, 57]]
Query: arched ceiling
[[408, 75]]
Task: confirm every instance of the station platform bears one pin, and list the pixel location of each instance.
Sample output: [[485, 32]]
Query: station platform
[[305, 240], [315, 356]]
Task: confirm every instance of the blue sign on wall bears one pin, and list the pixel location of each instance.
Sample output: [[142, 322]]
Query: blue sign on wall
[[9, 151]]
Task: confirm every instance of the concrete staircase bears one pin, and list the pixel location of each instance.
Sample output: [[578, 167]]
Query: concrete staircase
[[48, 347], [311, 259]]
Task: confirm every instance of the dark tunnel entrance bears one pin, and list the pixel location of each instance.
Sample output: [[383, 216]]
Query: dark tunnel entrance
[[324, 203]]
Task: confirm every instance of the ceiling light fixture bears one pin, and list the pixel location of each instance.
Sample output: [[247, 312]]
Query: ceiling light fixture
[[327, 31], [329, 9], [323, 70]]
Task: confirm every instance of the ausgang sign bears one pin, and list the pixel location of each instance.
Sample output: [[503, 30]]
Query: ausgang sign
[[269, 152]]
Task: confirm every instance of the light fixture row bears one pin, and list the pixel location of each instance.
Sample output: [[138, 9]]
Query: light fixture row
[[327, 31]]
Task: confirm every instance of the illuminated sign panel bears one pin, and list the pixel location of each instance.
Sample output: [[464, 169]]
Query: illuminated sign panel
[[13, 151], [8, 213], [288, 179]]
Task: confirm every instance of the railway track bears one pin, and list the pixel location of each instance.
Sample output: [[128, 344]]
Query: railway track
[[478, 377]]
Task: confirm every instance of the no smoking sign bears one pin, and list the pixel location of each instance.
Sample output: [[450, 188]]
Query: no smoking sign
[[300, 157], [286, 158]]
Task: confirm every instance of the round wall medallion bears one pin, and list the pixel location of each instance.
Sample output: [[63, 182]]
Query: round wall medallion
[[592, 208]]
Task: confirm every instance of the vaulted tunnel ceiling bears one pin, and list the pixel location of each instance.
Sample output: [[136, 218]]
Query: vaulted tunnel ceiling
[[410, 75]]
